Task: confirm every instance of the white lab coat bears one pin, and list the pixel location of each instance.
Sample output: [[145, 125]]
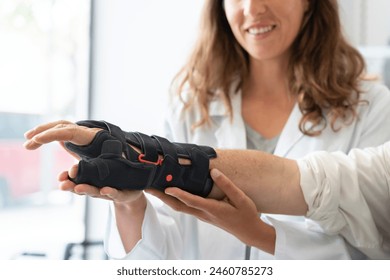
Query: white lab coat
[[351, 196], [167, 234]]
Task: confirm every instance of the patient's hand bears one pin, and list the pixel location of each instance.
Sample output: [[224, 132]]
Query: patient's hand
[[59, 131]]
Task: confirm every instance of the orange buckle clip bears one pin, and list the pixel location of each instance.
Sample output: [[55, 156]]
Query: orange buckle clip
[[158, 162]]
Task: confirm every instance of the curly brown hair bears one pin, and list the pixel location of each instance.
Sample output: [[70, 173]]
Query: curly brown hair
[[324, 69]]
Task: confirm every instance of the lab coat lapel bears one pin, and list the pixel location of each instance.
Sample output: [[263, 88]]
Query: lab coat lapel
[[291, 134], [231, 133]]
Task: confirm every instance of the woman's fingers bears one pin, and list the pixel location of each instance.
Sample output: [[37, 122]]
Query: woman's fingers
[[167, 199], [175, 203], [186, 202], [63, 176], [67, 185], [73, 171], [232, 192], [191, 200], [89, 190]]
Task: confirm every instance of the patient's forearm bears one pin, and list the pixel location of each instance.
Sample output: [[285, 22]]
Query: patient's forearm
[[272, 182]]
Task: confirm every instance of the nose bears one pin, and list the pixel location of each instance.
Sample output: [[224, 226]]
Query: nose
[[253, 8]]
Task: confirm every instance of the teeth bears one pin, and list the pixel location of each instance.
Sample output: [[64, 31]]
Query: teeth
[[261, 30]]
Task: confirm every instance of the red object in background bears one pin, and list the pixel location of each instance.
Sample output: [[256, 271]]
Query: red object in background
[[24, 172], [21, 170]]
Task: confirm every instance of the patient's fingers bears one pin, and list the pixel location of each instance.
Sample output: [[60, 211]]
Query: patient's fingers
[[79, 135], [63, 176], [66, 185], [87, 190], [38, 129]]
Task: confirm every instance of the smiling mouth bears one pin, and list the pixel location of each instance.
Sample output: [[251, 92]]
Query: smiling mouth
[[260, 30]]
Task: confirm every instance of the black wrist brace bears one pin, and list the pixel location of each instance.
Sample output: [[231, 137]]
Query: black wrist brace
[[109, 160]]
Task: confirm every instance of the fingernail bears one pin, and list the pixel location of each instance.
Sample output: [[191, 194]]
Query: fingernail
[[27, 133], [27, 144], [215, 173], [168, 191]]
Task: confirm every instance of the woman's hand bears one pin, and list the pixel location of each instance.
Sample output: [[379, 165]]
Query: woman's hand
[[236, 212], [129, 205], [60, 131]]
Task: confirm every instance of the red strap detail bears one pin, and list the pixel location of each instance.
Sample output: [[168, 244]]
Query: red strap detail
[[158, 162]]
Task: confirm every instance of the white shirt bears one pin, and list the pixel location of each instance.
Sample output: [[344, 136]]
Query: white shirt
[[167, 234], [350, 195]]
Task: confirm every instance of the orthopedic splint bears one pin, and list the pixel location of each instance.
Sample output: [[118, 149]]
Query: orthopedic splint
[[110, 160]]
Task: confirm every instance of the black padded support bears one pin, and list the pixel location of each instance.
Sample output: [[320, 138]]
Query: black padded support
[[157, 167], [94, 149], [111, 169]]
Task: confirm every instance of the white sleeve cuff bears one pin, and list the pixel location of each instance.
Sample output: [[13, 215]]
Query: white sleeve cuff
[[330, 185], [321, 192], [160, 238]]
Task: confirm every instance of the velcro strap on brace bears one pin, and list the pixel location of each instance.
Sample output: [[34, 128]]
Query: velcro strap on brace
[[111, 169], [156, 167]]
